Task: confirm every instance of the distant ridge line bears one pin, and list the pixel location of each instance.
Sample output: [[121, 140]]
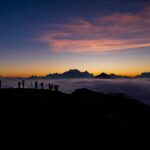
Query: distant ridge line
[[75, 73]]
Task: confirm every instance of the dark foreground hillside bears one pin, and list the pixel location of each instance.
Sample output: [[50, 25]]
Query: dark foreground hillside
[[85, 117]]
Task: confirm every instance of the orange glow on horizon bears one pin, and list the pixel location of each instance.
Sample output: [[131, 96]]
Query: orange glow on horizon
[[28, 74]]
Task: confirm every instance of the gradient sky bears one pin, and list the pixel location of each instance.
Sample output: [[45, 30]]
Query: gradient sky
[[38, 37]]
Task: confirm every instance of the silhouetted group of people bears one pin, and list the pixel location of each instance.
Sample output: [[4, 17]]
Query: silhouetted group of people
[[51, 87], [21, 84], [36, 85]]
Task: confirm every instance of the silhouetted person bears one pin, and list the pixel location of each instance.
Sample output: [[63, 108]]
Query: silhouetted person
[[19, 85], [23, 84], [36, 85], [56, 87], [0, 84], [50, 86], [31, 85], [42, 85]]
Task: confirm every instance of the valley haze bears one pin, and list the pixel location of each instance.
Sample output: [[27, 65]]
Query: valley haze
[[138, 88]]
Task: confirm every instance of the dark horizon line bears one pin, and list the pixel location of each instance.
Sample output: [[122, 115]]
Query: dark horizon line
[[74, 69]]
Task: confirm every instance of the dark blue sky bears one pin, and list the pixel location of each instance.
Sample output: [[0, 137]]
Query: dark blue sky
[[22, 21]]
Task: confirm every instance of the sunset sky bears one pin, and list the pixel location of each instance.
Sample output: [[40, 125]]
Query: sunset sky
[[38, 37]]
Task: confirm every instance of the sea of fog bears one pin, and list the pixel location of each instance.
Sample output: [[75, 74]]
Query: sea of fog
[[135, 88]]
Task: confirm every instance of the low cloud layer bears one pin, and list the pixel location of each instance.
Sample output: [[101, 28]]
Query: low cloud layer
[[114, 32]]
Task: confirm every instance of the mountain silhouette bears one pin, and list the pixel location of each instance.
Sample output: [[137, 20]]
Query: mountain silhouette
[[144, 75], [104, 76], [33, 77], [54, 75], [119, 76], [76, 73], [72, 73]]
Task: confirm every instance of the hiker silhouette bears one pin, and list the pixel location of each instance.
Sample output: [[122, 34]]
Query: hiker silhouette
[[42, 85], [56, 87], [23, 84], [31, 85], [50, 86], [36, 85], [19, 85]]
